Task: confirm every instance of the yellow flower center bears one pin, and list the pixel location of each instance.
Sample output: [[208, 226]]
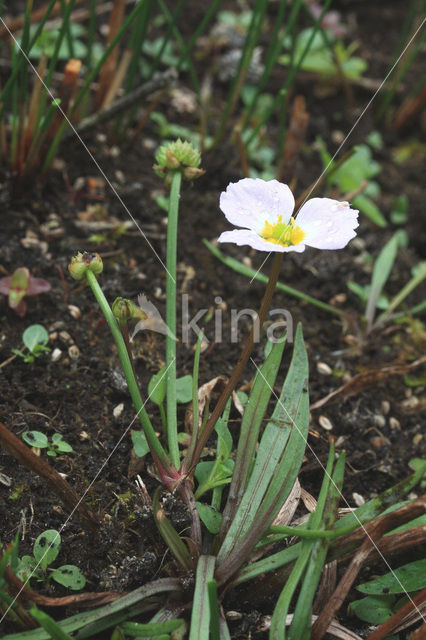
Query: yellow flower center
[[281, 233]]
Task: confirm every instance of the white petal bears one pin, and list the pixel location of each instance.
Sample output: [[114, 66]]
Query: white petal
[[250, 202], [246, 236], [327, 223]]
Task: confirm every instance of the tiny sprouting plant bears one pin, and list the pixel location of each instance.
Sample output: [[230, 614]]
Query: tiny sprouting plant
[[55, 446], [19, 285], [35, 339], [45, 551], [357, 172]]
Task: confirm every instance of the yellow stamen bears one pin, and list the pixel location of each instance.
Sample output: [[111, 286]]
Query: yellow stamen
[[281, 233]]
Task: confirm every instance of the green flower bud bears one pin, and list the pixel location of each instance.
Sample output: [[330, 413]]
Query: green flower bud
[[124, 309], [83, 262], [179, 155]]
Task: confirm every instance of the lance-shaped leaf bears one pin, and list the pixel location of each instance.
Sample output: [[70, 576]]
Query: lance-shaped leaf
[[278, 461]]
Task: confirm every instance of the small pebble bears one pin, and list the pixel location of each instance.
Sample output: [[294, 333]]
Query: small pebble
[[379, 421], [56, 325], [325, 423], [247, 261], [74, 311], [84, 435], [417, 439], [339, 298], [233, 615], [411, 403], [118, 410], [324, 369], [74, 352], [56, 354], [338, 136], [53, 336], [379, 441], [394, 423], [385, 407], [114, 151], [358, 499], [65, 336]]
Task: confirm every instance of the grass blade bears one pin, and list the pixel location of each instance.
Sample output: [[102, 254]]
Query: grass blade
[[381, 272], [302, 618], [200, 619], [252, 419], [277, 464], [241, 268]]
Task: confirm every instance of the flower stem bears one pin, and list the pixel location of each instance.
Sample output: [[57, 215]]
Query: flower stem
[[189, 463], [172, 228], [155, 446]]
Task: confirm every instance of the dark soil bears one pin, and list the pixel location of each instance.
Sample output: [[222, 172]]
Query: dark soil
[[380, 428]]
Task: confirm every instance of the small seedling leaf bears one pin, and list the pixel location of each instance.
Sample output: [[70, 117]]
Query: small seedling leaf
[[184, 389], [69, 576], [35, 439], [373, 609], [46, 547], [210, 517], [35, 335], [409, 577], [157, 387], [140, 444]]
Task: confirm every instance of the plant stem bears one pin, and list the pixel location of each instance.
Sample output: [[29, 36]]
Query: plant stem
[[172, 228], [157, 451], [189, 463]]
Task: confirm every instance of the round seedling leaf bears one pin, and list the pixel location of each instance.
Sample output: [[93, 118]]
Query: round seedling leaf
[[35, 439], [69, 576], [60, 445], [210, 517], [26, 567], [140, 444], [35, 335], [184, 389], [46, 547], [157, 387]]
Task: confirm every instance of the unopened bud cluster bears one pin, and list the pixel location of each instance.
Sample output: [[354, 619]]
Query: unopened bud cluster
[[84, 262], [178, 156]]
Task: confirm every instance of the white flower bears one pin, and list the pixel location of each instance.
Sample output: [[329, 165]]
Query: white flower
[[264, 210]]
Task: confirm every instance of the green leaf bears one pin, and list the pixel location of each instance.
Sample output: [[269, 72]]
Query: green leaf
[[410, 577], [210, 517], [69, 576], [367, 206], [26, 567], [224, 440], [373, 609], [35, 335], [60, 444], [157, 387], [278, 458], [46, 547], [150, 629], [184, 389], [140, 444], [35, 439], [53, 629], [381, 272], [200, 618]]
